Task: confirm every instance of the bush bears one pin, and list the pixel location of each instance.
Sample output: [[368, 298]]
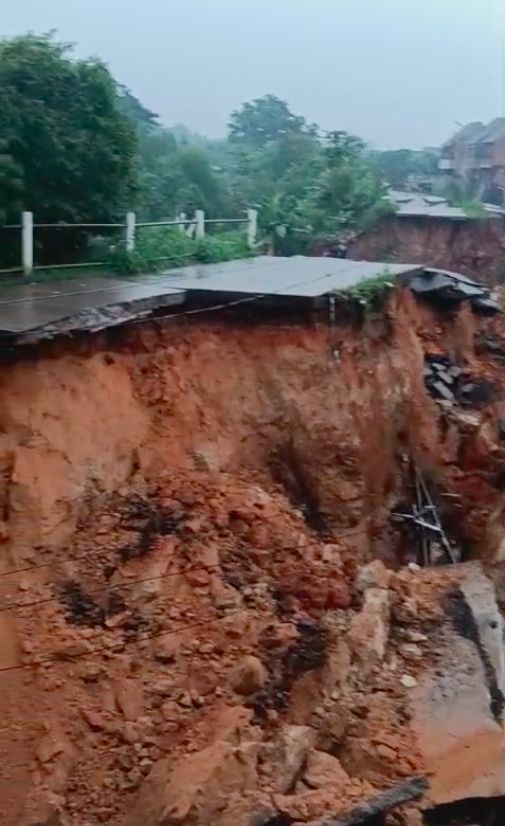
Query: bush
[[226, 247], [159, 249]]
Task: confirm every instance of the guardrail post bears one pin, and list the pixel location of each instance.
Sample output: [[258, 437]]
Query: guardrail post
[[252, 227], [27, 242], [182, 227], [200, 224], [130, 231]]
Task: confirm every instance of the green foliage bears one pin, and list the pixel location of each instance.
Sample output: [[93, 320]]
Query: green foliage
[[166, 248], [155, 249], [400, 167], [370, 292], [75, 149], [261, 121], [225, 247], [75, 146], [473, 208], [177, 177], [460, 193], [11, 183]]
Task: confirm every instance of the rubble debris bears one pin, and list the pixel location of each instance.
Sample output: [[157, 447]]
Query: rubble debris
[[451, 384], [449, 289], [383, 803], [275, 668]]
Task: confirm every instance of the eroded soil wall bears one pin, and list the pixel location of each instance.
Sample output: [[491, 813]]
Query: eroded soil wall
[[474, 248], [267, 458]]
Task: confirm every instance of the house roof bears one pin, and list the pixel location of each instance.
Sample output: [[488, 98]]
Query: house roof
[[416, 204]]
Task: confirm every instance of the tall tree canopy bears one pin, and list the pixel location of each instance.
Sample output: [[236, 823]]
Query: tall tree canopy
[[77, 146], [264, 120], [64, 130], [400, 167]]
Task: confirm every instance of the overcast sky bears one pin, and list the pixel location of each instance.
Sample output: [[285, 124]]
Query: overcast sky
[[396, 72]]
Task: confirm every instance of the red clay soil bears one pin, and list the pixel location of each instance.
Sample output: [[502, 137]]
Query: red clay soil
[[475, 248], [187, 510]]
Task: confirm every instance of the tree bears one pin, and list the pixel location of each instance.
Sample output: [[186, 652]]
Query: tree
[[263, 120], [397, 167], [11, 184], [66, 133], [135, 110], [348, 192]]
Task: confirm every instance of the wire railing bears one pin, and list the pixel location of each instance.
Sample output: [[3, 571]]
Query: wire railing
[[23, 244]]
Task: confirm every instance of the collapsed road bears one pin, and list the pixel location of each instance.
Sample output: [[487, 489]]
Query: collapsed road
[[252, 567]]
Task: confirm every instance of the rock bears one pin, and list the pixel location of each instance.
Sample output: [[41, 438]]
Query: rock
[[185, 700], [369, 632], [197, 787], [233, 725], [331, 553], [324, 770], [289, 754], [224, 596], [333, 726], [170, 710], [162, 687], [386, 753], [408, 681], [97, 721], [130, 733], [49, 747], [249, 676], [416, 636], [70, 648], [411, 652], [130, 699], [166, 648], [373, 575]]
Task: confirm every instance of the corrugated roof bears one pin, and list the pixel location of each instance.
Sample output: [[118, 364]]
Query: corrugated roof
[[495, 130], [418, 205], [471, 133], [295, 277]]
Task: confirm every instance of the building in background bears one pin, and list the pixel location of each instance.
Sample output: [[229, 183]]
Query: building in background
[[475, 156]]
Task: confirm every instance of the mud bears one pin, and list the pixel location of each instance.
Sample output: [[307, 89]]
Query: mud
[[190, 633]]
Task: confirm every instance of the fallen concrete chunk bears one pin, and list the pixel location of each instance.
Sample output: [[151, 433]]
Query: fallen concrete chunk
[[369, 632], [383, 803], [457, 704], [291, 755]]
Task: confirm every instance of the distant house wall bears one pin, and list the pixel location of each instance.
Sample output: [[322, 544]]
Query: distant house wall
[[473, 247], [476, 154]]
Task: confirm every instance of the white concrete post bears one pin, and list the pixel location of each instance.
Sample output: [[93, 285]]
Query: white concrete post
[[200, 224], [252, 227], [130, 231], [27, 242], [182, 217]]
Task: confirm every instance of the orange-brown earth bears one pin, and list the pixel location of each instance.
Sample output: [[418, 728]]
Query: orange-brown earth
[[189, 634]]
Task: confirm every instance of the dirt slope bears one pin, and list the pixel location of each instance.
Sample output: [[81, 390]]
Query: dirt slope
[[191, 508]]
